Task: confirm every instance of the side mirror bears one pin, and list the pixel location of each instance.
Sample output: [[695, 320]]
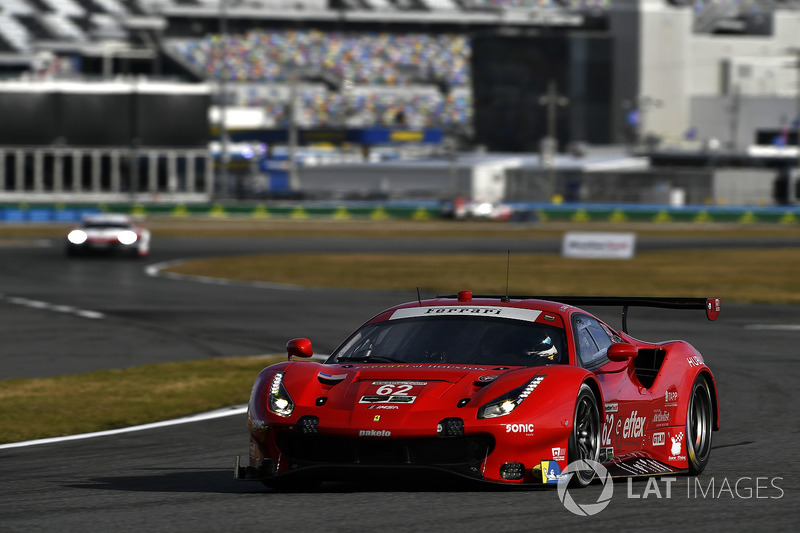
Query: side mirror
[[622, 352], [299, 348]]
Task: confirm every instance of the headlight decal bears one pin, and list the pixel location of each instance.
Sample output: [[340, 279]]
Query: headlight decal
[[280, 402], [506, 403]]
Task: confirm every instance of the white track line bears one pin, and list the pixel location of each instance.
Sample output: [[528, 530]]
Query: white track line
[[219, 413], [774, 327], [37, 304], [155, 271]]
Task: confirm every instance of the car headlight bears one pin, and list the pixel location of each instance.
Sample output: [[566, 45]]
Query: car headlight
[[506, 403], [280, 402], [77, 236], [127, 237]]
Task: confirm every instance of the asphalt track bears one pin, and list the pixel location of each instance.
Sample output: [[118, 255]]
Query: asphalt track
[[64, 316]]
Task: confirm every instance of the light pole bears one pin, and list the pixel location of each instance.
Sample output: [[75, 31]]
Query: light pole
[[294, 180], [222, 105]]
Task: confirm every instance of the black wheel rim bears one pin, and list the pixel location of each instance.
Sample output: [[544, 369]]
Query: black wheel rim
[[587, 424], [699, 424]]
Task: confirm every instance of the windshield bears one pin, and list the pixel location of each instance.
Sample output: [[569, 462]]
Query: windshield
[[456, 340], [106, 225]]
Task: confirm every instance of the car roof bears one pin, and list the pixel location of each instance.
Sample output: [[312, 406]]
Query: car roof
[[107, 219], [466, 300]]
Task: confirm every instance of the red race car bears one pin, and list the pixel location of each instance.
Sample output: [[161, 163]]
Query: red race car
[[494, 388]]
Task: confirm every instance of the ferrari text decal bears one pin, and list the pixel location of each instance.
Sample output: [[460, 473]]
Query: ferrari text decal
[[528, 315]]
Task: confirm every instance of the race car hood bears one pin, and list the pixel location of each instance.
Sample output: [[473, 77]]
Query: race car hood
[[401, 396]]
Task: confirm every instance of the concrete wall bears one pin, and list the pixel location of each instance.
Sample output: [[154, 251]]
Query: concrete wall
[[676, 67]]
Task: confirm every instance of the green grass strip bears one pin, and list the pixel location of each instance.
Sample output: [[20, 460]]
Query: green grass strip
[[110, 399], [747, 275]]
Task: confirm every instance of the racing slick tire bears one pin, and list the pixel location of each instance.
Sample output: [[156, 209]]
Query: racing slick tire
[[584, 439], [699, 425]]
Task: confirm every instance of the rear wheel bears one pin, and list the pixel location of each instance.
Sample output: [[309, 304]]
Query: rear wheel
[[699, 424], [584, 440]]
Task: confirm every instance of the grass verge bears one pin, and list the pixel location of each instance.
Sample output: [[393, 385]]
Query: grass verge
[[109, 399], [763, 275]]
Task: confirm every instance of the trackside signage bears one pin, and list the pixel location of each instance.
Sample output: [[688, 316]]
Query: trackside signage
[[598, 245]]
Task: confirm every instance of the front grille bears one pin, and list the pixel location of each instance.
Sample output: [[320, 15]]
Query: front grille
[[378, 452]]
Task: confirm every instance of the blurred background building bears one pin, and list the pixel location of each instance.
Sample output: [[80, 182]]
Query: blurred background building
[[513, 100]]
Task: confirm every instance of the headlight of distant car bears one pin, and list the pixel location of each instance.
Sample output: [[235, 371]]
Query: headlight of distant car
[[127, 237], [506, 403], [77, 236], [280, 402]]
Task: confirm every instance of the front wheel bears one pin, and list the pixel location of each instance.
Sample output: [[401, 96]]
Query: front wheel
[[584, 440], [699, 424]]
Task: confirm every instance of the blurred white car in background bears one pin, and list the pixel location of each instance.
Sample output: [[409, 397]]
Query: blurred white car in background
[[109, 234]]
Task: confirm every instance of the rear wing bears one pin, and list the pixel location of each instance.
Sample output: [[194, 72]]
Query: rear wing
[[711, 305]]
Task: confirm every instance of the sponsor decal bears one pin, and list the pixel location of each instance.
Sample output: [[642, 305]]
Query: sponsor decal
[[529, 315], [559, 454], [487, 378], [374, 406], [658, 438], [387, 399], [551, 472], [677, 448], [520, 428], [633, 427], [660, 417], [608, 427], [374, 433], [612, 407], [695, 360], [331, 378], [393, 391], [606, 454], [671, 397], [401, 383]]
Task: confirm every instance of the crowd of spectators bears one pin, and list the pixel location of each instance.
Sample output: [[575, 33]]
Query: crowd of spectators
[[315, 106], [363, 58], [430, 72]]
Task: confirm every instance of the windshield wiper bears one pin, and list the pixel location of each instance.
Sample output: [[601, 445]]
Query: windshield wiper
[[368, 358]]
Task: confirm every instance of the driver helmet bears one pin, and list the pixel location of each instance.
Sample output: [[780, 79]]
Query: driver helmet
[[543, 348]]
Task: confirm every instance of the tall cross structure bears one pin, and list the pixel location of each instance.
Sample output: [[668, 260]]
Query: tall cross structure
[[553, 101]]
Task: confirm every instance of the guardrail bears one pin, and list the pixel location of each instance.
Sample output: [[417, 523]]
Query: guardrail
[[425, 210]]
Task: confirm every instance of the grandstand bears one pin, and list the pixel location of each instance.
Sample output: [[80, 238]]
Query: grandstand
[[409, 64]]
